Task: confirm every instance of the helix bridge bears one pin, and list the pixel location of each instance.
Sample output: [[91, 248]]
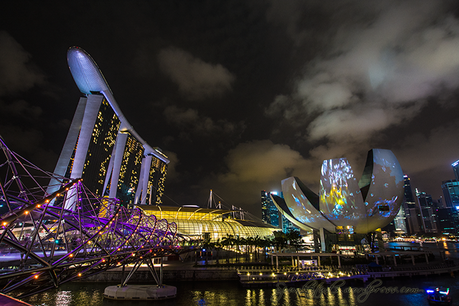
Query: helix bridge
[[47, 239]]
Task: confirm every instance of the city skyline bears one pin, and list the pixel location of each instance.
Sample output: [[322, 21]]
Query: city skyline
[[241, 95]]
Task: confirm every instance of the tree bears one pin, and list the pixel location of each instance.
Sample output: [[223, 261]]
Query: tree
[[206, 245], [280, 240], [217, 245], [227, 241], [294, 237]]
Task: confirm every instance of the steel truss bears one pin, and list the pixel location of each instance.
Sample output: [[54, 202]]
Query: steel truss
[[45, 242]]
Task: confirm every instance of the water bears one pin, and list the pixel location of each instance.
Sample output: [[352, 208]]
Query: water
[[232, 294]]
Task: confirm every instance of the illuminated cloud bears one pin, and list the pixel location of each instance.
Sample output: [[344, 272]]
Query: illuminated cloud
[[380, 66], [261, 161]]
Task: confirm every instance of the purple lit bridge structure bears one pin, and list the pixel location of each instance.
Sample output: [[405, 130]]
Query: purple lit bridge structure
[[44, 243]]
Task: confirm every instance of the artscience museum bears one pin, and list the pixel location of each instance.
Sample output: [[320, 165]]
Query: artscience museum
[[345, 205]]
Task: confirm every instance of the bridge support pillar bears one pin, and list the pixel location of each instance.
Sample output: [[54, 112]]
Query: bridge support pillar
[[161, 273]]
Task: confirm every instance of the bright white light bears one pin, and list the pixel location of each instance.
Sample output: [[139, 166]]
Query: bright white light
[[274, 192]]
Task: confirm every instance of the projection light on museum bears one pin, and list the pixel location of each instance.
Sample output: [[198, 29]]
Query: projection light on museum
[[345, 205]]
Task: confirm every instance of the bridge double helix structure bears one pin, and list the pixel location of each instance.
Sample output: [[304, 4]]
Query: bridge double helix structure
[[45, 241]]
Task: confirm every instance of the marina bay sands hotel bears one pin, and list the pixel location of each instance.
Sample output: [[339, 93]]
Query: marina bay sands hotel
[[114, 162], [103, 148]]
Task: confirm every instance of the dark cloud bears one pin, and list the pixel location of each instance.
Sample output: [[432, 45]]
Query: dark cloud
[[195, 78], [17, 73], [241, 94], [382, 66], [192, 124]]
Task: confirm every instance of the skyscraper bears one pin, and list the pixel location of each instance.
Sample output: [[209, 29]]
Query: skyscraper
[[400, 221], [451, 193], [412, 212], [428, 210], [455, 166], [270, 214], [447, 221], [103, 148]]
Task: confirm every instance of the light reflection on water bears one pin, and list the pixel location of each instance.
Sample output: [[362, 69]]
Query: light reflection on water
[[232, 294]]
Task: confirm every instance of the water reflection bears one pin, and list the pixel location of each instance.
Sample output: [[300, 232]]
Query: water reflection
[[261, 301], [286, 297], [232, 294], [63, 298], [248, 298], [351, 297], [274, 297], [331, 297]]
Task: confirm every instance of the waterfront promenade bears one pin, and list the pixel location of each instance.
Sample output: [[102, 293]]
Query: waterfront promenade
[[263, 273], [212, 283]]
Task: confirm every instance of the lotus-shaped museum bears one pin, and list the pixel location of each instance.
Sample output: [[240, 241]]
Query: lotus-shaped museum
[[345, 205]]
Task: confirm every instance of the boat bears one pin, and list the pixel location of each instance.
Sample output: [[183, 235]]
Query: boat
[[438, 296]]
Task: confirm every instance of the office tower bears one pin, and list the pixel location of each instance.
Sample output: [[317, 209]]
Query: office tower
[[288, 226], [412, 212], [455, 166], [400, 222], [451, 193], [265, 211], [428, 211], [398, 225], [270, 214], [447, 221]]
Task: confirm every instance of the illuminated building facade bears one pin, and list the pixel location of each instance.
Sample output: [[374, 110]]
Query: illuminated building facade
[[412, 211], [100, 146], [271, 215], [345, 205], [198, 223], [447, 221], [269, 211], [428, 210], [103, 148], [398, 225], [455, 166], [451, 193]]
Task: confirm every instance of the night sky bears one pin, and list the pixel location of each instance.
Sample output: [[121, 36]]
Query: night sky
[[242, 94]]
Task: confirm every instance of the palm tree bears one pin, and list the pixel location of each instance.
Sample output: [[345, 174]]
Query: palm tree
[[237, 242], [249, 241], [294, 237], [217, 245], [206, 245], [227, 241], [280, 240], [258, 242]]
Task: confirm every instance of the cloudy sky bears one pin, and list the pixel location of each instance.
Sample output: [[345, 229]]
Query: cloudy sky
[[242, 94]]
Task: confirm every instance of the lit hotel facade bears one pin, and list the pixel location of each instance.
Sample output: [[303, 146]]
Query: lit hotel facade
[[102, 147], [105, 151]]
